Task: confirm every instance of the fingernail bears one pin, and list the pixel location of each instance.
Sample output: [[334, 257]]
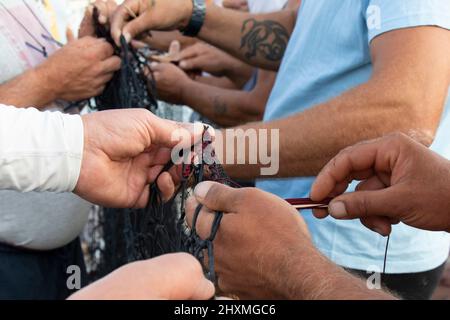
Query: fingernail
[[202, 189], [183, 65], [153, 65], [127, 37], [338, 210], [102, 19]]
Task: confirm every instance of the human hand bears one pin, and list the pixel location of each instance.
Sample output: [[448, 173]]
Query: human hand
[[124, 152], [134, 17], [204, 57], [169, 277], [401, 181], [170, 82], [105, 8], [81, 69], [257, 242]]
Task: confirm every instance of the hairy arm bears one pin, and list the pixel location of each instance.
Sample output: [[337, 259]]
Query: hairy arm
[[31, 88], [313, 277], [221, 82], [230, 107], [406, 93]]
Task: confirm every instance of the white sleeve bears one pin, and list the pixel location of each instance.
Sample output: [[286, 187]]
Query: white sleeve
[[39, 151]]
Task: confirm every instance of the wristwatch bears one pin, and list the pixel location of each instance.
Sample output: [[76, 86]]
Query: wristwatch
[[197, 19]]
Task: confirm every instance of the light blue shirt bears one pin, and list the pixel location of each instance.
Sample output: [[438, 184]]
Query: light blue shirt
[[329, 53]]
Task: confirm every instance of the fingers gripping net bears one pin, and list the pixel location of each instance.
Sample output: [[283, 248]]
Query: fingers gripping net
[[163, 231], [120, 236], [129, 87]]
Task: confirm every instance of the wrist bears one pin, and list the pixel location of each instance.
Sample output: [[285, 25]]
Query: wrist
[[298, 271], [192, 27], [186, 89], [42, 76], [188, 11], [314, 277]]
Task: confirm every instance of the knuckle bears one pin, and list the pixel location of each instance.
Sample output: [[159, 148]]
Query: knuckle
[[244, 196], [396, 136], [107, 49], [191, 264], [97, 69], [362, 206], [214, 193], [116, 63]]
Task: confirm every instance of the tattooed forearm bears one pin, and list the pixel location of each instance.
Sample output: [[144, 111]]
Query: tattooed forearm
[[266, 38]]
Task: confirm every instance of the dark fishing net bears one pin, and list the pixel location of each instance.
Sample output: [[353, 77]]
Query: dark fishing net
[[119, 236], [129, 87]]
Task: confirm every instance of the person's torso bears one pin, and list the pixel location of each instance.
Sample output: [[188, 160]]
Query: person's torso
[[40, 221], [23, 33], [264, 6], [329, 54]]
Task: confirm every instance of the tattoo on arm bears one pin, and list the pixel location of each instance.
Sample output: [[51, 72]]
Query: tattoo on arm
[[266, 38], [220, 107]]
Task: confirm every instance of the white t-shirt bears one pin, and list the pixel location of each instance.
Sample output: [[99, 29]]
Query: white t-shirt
[[266, 6], [40, 221]]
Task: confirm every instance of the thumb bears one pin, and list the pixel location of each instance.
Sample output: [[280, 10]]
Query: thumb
[[135, 27], [130, 30], [69, 35], [126, 20], [218, 197], [362, 204]]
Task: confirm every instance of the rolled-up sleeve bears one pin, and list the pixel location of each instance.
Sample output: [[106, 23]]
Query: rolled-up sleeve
[[39, 151], [387, 15]]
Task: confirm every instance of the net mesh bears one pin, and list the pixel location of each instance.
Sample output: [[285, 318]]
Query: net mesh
[[119, 236]]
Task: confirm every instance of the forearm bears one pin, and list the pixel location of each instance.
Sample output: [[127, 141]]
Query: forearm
[[39, 151], [239, 73], [223, 106], [313, 277], [28, 89], [221, 27], [221, 82], [310, 139]]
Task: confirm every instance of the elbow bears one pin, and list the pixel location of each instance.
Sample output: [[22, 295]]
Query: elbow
[[420, 120]]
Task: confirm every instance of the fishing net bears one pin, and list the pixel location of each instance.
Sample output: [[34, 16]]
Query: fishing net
[[116, 237]]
